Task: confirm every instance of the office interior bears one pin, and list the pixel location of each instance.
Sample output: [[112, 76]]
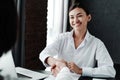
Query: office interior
[[32, 31]]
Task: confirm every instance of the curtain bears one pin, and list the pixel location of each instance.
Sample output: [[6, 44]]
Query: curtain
[[56, 18], [18, 50]]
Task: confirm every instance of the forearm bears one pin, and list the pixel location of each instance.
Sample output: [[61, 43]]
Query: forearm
[[50, 61]]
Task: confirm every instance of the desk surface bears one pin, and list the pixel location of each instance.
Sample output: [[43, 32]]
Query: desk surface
[[81, 78], [29, 78]]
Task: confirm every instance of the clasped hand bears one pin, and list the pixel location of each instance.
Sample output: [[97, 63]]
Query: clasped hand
[[59, 64]]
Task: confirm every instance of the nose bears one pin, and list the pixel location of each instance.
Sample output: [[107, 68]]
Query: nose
[[76, 20]]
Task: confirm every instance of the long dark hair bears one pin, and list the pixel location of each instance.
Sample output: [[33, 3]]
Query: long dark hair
[[8, 25]]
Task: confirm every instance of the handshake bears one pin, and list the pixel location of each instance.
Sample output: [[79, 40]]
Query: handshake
[[58, 64]]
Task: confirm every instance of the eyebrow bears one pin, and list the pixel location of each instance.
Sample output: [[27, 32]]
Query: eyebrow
[[77, 14]]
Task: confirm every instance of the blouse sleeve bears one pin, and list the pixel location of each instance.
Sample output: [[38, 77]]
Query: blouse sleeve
[[50, 50], [104, 64]]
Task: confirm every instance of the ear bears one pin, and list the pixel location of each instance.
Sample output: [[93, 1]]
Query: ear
[[89, 18]]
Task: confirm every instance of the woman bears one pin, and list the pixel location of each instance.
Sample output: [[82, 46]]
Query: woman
[[78, 49]]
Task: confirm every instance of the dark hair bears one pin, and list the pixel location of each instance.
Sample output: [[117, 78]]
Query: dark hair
[[80, 4], [8, 25]]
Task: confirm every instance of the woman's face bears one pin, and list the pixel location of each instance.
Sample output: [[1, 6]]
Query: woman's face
[[79, 19]]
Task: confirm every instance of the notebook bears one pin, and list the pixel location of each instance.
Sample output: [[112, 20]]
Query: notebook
[[7, 67]]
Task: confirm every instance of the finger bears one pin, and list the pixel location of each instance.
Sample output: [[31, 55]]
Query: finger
[[52, 71], [69, 65], [58, 69], [55, 72], [53, 66]]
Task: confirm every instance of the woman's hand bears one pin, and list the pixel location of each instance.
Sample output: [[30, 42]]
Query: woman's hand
[[57, 66], [55, 70], [74, 68]]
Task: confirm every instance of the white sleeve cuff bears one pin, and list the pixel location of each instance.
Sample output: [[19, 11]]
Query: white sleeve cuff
[[43, 57], [87, 71]]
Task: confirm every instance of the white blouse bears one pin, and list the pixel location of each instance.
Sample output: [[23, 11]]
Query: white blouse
[[91, 51]]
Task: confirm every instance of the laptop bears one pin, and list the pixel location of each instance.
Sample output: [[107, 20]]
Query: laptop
[[7, 67]]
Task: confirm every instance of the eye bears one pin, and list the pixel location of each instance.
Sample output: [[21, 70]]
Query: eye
[[80, 15], [71, 17]]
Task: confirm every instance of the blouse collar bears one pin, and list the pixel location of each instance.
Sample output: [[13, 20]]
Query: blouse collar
[[87, 35]]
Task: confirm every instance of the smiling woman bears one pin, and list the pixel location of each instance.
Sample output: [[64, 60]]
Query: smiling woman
[[78, 50]]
